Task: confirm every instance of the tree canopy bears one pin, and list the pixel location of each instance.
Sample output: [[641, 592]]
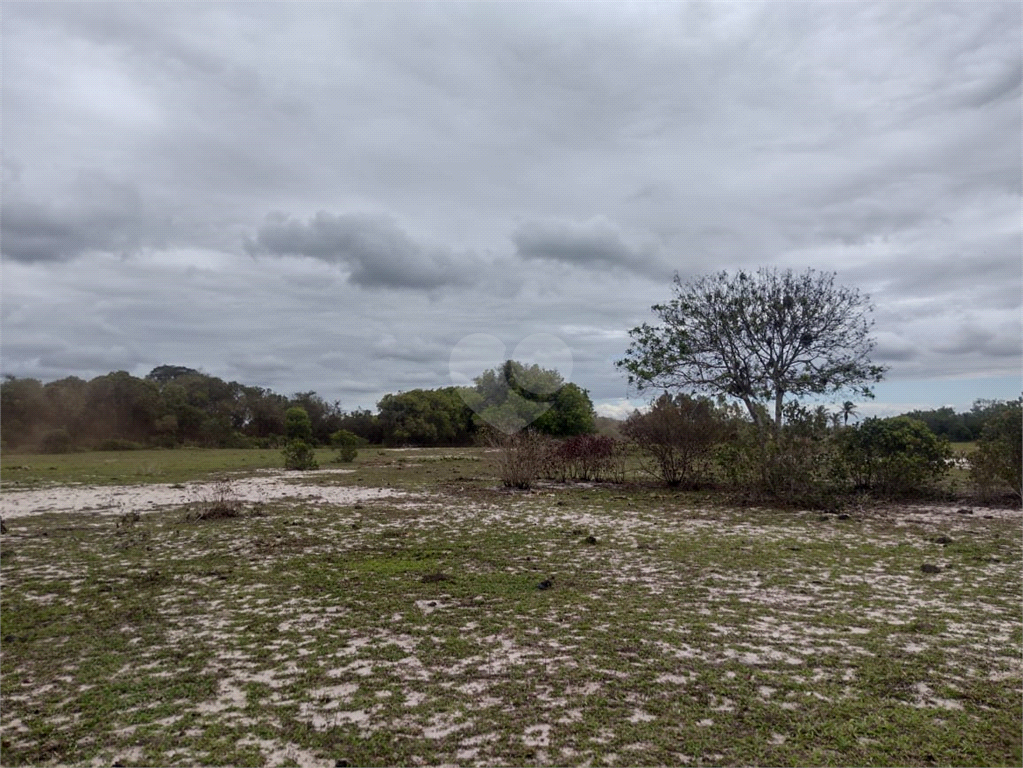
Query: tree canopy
[[757, 337], [514, 396]]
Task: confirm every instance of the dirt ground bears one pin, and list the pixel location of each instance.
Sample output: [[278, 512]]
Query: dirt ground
[[464, 625]]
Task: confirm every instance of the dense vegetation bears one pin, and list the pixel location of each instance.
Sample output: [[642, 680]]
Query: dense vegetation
[[178, 406], [961, 427]]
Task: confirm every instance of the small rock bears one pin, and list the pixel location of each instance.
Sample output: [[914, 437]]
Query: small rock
[[964, 511], [928, 568], [340, 764], [545, 584], [561, 504], [3, 526], [943, 540], [989, 517], [591, 540], [843, 516]]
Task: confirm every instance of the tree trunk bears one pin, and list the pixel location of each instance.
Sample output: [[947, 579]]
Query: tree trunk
[[753, 412], [778, 397]]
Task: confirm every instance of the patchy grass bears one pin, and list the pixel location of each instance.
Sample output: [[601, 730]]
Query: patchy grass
[[179, 465], [411, 630], [123, 467]]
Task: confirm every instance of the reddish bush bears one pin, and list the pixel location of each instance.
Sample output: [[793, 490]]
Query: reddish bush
[[586, 458]]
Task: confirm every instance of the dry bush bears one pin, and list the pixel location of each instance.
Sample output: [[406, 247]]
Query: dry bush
[[220, 505], [587, 458], [522, 456], [677, 437]]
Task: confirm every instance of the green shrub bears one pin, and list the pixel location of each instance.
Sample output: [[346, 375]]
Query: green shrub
[[298, 425], [56, 441], [795, 465], [893, 456], [298, 454], [998, 460], [347, 444]]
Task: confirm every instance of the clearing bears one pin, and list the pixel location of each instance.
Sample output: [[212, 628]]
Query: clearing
[[391, 613]]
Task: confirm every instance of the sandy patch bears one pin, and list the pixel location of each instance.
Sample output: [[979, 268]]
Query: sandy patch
[[276, 753], [119, 499]]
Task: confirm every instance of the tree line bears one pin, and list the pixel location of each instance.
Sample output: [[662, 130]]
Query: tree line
[[179, 406], [961, 427], [733, 355]]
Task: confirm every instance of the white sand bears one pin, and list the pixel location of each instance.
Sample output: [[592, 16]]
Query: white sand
[[121, 499]]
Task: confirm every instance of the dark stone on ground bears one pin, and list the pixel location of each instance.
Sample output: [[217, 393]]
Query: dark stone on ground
[[928, 568], [964, 511], [943, 540], [545, 584], [591, 540], [843, 516]]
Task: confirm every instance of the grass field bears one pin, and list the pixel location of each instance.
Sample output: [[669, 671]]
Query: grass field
[[412, 628]]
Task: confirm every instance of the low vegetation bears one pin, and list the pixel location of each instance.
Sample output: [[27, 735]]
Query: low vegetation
[[406, 609]]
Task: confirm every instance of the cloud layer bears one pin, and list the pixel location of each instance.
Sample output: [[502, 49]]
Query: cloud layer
[[331, 196]]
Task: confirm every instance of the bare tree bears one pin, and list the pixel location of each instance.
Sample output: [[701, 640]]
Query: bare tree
[[757, 337]]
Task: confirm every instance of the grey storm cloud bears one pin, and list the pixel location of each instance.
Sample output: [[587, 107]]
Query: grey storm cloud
[[378, 253], [594, 243], [893, 349], [1004, 341], [97, 214]]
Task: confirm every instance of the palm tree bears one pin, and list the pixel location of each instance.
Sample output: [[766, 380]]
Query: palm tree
[[848, 409]]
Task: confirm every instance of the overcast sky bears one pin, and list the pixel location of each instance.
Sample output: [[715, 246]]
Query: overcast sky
[[333, 196]]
